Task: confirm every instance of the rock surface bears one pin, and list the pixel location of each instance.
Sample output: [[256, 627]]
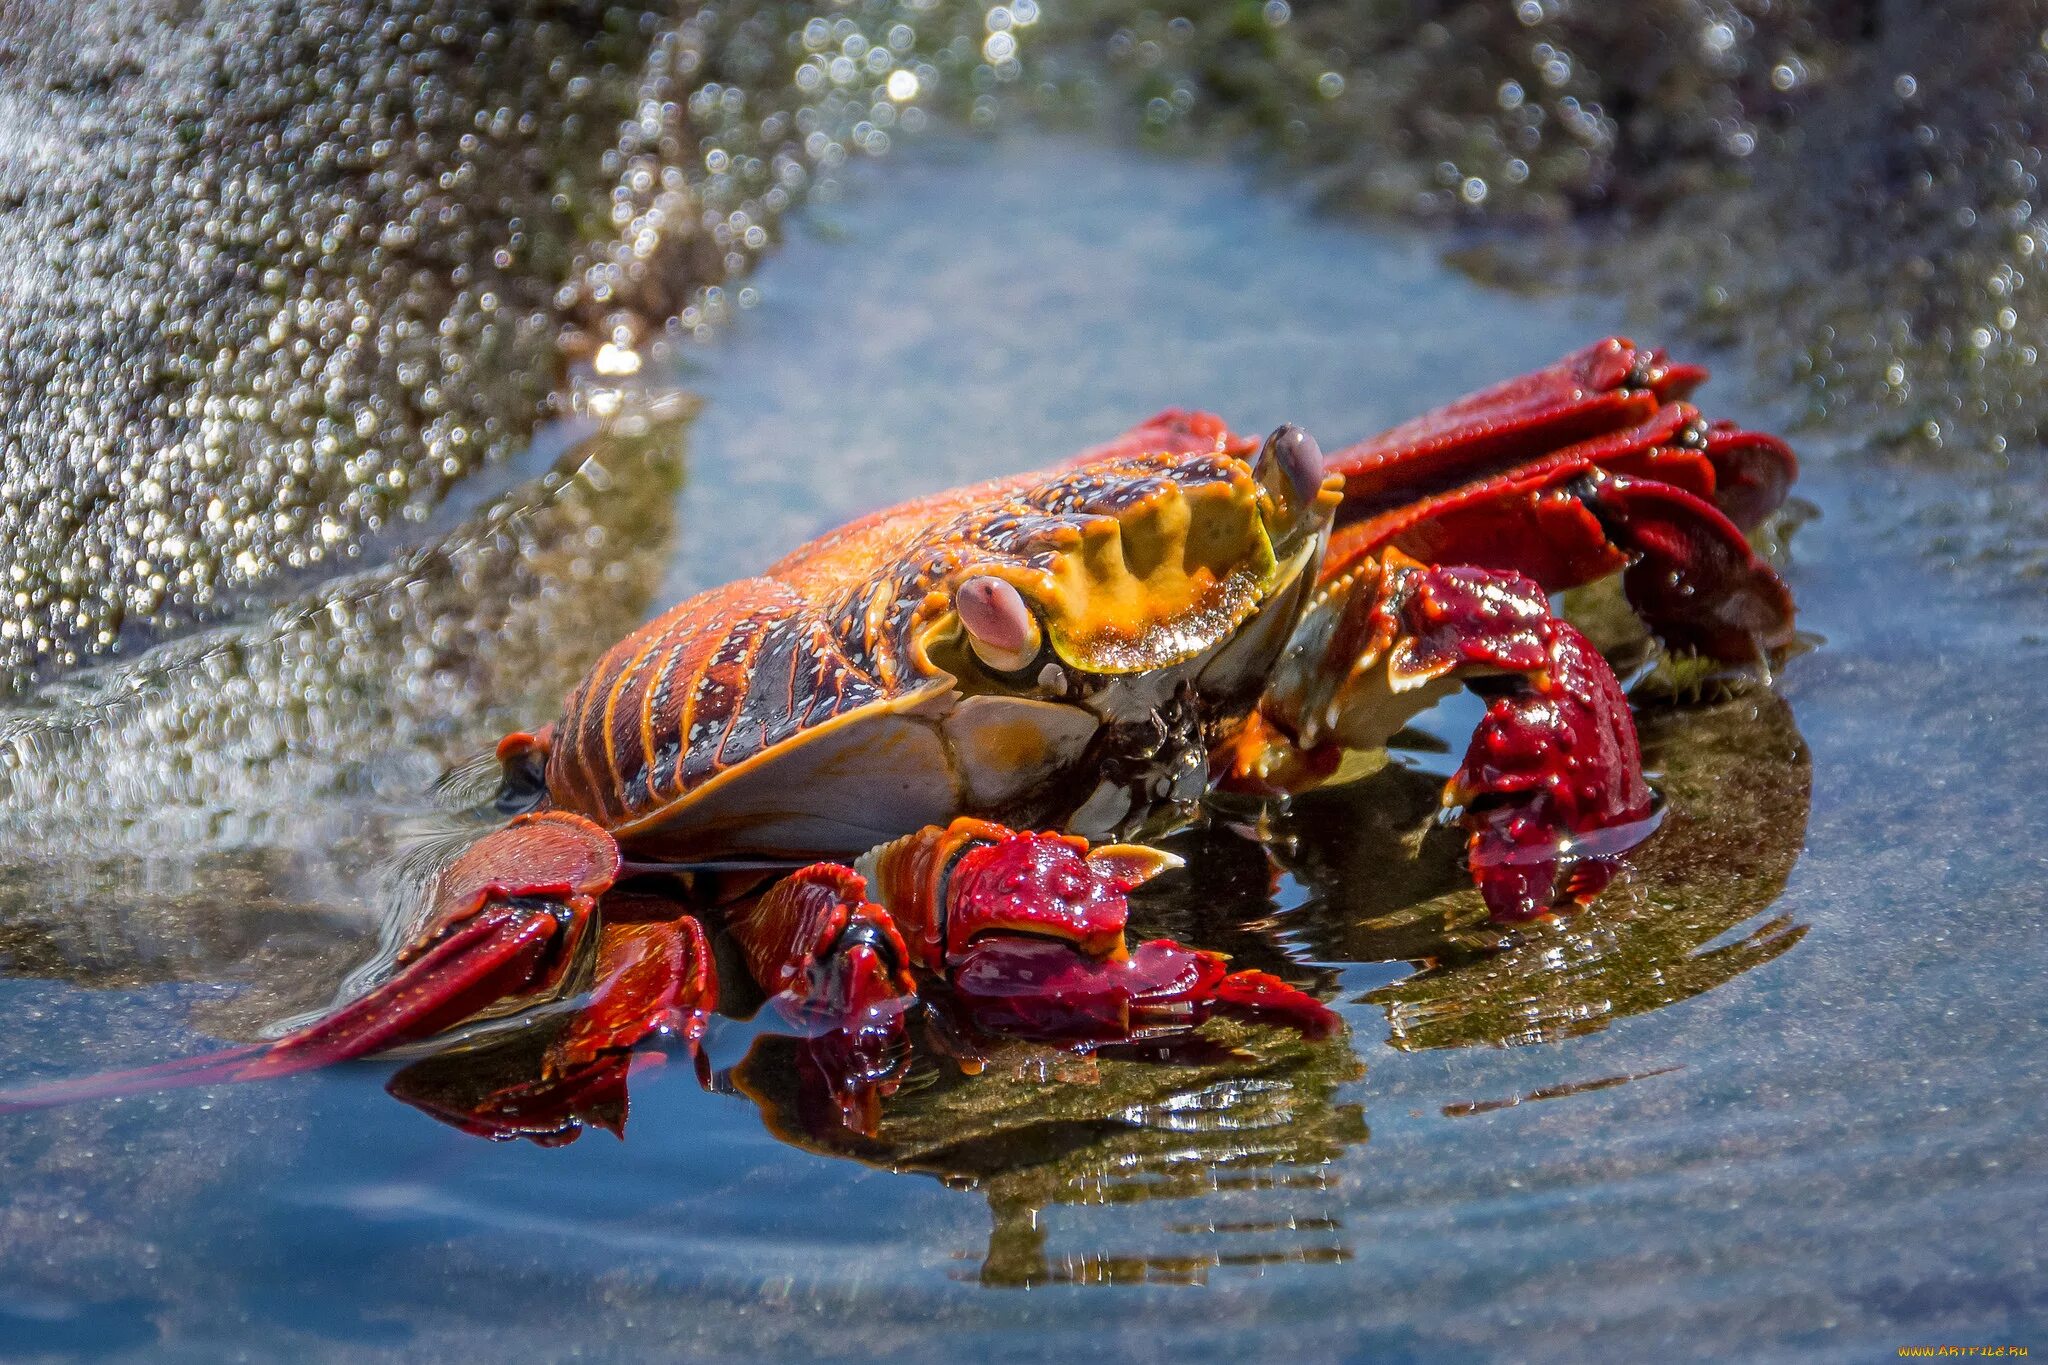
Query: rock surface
[[274, 276]]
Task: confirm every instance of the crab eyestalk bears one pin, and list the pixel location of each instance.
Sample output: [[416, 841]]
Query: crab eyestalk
[[1290, 465], [1290, 474], [1000, 626]]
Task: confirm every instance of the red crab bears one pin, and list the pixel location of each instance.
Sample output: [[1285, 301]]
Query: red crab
[[1179, 611]]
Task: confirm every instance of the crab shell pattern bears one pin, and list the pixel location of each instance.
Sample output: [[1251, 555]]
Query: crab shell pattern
[[837, 701]]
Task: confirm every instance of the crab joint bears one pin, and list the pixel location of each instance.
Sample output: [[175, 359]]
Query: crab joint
[[1000, 627]]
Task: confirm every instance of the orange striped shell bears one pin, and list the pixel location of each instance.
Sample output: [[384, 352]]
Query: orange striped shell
[[827, 705]]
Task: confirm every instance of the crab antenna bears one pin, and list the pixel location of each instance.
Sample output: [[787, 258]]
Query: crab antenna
[[1000, 627]]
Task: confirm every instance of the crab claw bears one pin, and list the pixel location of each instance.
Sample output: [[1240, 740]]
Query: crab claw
[[1046, 990], [828, 956], [1050, 885], [949, 885], [1552, 785], [1027, 929], [508, 916]]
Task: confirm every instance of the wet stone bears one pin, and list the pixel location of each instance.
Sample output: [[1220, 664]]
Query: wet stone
[[273, 278]]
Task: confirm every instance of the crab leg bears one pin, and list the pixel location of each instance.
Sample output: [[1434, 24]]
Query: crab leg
[[655, 976], [833, 962], [1613, 405], [1590, 466], [1551, 786], [1634, 501], [508, 917], [1608, 386]]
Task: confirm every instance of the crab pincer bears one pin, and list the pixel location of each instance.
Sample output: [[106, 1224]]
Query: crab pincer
[[1027, 931], [1551, 786], [509, 926]]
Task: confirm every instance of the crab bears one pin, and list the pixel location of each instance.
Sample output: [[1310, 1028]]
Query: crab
[[958, 719]]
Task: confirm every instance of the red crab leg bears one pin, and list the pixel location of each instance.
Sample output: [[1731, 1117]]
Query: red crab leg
[[507, 917], [653, 976], [1609, 385], [833, 962], [1752, 472], [815, 943], [1551, 786], [1635, 499]]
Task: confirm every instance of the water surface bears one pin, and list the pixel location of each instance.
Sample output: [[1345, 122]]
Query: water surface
[[1775, 1096]]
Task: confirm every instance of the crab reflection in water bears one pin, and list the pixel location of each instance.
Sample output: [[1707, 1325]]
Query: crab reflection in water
[[1251, 1126]]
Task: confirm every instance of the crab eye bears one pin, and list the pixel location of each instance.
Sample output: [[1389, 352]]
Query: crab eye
[[1294, 455], [1000, 627]]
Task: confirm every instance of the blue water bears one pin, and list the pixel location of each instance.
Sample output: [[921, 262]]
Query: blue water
[[1828, 1155]]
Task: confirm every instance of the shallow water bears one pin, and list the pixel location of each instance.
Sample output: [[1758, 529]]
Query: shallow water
[[1775, 1095]]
